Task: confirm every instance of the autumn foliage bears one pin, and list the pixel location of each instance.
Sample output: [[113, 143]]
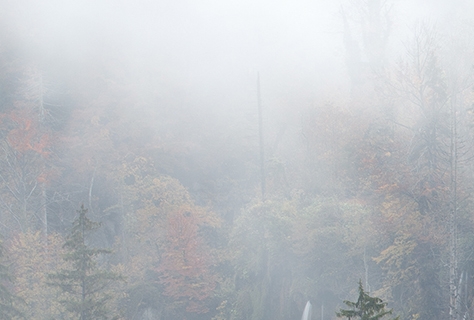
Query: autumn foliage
[[186, 268], [370, 179]]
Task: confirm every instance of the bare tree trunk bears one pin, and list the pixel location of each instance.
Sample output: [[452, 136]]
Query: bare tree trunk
[[43, 200], [453, 241], [260, 134], [366, 268], [44, 210]]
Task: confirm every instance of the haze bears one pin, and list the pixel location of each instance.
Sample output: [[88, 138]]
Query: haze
[[245, 159]]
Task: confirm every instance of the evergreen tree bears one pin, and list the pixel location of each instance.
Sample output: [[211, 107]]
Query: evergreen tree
[[84, 283], [366, 307], [7, 299]]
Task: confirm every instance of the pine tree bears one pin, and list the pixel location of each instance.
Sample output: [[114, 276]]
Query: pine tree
[[7, 299], [366, 307], [84, 283]]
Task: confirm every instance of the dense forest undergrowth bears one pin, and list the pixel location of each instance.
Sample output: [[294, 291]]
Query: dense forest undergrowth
[[370, 182]]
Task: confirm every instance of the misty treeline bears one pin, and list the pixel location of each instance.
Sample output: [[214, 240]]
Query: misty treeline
[[373, 184]]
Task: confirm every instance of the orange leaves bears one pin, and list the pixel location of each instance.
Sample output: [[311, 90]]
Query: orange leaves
[[25, 134], [182, 229], [26, 167], [167, 240], [185, 271]]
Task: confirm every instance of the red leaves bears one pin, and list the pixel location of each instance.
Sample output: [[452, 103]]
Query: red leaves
[[185, 269], [26, 134]]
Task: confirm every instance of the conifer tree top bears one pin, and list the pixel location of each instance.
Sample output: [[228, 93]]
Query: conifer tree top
[[84, 283], [366, 307]]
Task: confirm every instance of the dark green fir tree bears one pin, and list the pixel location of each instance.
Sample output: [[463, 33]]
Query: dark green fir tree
[[366, 307], [8, 301], [84, 284]]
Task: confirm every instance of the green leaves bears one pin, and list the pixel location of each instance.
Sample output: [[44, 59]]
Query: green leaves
[[84, 283], [366, 307]]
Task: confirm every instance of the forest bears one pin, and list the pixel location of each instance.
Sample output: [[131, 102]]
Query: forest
[[235, 160]]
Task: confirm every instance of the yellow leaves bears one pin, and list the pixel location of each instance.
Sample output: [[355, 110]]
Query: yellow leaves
[[398, 261], [164, 222], [357, 226], [169, 191], [387, 188], [401, 215], [104, 133], [144, 183], [95, 120], [137, 266], [395, 254], [33, 260], [159, 195]]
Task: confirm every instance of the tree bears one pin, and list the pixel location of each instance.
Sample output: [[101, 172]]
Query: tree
[[366, 307], [185, 271], [84, 283], [167, 247], [31, 260], [8, 309], [27, 154], [24, 153], [435, 87]]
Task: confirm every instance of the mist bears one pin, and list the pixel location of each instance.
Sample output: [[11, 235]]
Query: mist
[[354, 182]]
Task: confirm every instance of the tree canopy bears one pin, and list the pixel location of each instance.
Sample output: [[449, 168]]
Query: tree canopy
[[85, 284], [151, 115], [365, 308]]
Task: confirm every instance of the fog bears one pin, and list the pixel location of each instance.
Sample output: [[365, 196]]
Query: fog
[[210, 50], [146, 113]]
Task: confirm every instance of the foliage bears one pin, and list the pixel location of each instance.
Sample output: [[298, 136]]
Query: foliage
[[366, 307], [24, 153], [8, 301], [286, 252], [32, 260], [169, 246], [362, 187], [185, 270]]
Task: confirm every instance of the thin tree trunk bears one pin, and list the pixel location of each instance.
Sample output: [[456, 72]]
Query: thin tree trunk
[[453, 246], [41, 117], [83, 265], [260, 134], [44, 211]]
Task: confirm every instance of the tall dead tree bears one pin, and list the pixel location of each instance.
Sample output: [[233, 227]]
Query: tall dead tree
[[453, 234]]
